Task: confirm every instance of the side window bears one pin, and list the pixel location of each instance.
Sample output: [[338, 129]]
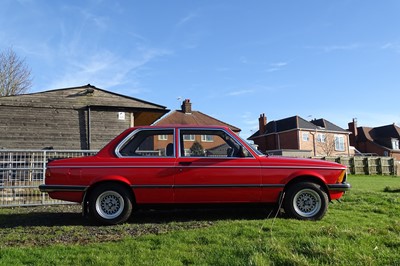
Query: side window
[[210, 143], [149, 143]]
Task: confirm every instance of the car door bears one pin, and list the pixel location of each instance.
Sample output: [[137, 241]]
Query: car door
[[214, 167]]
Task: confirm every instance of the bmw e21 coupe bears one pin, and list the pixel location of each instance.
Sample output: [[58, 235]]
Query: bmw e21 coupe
[[191, 165]]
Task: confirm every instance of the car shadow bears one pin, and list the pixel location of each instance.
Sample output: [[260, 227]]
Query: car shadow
[[41, 219], [201, 214], [74, 217]]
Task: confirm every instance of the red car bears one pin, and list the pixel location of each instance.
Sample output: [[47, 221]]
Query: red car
[[169, 165]]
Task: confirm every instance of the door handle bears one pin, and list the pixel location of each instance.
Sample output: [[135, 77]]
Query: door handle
[[185, 163]]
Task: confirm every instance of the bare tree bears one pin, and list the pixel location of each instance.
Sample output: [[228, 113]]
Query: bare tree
[[15, 75], [327, 144]]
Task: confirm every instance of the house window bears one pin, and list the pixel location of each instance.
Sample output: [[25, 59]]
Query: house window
[[207, 138], [162, 137], [305, 136], [395, 144], [339, 143], [321, 137], [188, 137]]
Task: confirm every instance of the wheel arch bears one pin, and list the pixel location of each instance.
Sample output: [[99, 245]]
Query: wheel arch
[[121, 182], [307, 178]]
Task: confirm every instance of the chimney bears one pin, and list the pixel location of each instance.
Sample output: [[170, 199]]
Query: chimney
[[262, 123], [187, 106], [354, 132]]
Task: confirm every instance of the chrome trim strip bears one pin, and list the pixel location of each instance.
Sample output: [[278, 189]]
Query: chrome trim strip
[[194, 166], [65, 188], [208, 186]]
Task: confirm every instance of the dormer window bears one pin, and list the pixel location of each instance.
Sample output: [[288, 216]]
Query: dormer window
[[395, 144]]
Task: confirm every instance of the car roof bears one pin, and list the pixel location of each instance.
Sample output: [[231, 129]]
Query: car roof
[[183, 126]]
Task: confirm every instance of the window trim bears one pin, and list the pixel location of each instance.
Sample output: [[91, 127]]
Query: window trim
[[180, 148]]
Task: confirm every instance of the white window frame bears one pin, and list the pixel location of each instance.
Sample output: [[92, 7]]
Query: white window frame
[[305, 136], [395, 144], [162, 137], [188, 138], [339, 143], [321, 137], [207, 138]]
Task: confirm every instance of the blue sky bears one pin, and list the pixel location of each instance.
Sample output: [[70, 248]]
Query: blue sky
[[234, 59]]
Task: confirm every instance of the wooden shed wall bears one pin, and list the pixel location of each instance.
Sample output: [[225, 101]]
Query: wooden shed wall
[[39, 128]]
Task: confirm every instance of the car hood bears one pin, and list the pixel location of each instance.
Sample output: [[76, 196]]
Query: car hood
[[298, 162]]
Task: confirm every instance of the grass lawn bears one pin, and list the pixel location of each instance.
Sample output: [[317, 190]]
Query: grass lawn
[[364, 229]]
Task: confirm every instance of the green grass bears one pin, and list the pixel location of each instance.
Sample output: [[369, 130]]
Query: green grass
[[364, 229]]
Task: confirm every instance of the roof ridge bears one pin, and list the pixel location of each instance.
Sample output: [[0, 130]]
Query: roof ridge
[[94, 87]]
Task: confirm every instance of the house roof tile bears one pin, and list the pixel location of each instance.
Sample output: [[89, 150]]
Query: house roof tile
[[297, 122], [192, 118]]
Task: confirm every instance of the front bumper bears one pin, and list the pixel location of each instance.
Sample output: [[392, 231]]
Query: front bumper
[[339, 187]]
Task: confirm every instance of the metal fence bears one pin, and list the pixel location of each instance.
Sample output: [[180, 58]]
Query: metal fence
[[22, 171]]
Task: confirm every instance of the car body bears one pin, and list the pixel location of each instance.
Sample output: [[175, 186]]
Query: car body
[[170, 165]]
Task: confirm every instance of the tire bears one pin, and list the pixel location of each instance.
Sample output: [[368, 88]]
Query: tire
[[305, 201], [110, 204]]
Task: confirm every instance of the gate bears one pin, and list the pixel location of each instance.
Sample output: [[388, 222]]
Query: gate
[[22, 171]]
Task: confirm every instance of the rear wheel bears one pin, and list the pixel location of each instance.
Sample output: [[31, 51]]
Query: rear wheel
[[110, 204], [306, 201]]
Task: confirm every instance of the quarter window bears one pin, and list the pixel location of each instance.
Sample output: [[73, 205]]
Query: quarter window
[[148, 143]]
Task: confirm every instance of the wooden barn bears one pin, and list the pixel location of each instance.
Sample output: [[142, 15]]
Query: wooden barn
[[76, 118]]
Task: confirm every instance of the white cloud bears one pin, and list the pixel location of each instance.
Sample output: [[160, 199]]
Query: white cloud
[[240, 92], [391, 46], [105, 69], [276, 66], [334, 48], [187, 19]]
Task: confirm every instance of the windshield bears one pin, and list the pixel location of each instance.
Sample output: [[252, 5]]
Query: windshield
[[252, 147]]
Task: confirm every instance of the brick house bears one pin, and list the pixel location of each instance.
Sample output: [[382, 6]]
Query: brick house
[[187, 116], [382, 141], [295, 136], [83, 117]]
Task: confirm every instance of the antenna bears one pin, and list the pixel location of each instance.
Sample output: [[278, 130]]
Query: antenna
[[179, 99]]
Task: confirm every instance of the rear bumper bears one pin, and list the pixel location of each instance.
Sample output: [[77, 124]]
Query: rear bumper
[[339, 187], [58, 188]]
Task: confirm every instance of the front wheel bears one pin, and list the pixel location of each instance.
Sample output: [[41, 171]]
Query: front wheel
[[110, 204], [306, 201]]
